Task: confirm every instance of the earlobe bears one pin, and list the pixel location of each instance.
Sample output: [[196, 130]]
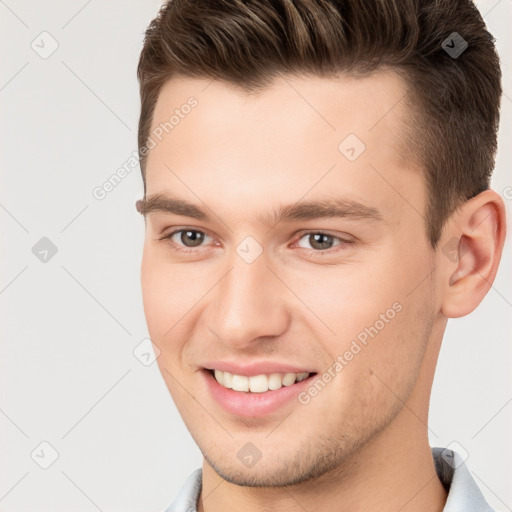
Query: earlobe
[[477, 235]]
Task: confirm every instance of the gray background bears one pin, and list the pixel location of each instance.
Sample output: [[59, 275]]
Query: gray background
[[69, 326]]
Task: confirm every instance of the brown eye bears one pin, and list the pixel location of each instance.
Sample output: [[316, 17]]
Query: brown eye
[[319, 241], [190, 238], [183, 240]]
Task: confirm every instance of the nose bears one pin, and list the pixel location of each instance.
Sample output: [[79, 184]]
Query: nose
[[249, 303]]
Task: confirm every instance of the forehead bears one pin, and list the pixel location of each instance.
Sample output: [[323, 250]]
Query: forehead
[[297, 102], [301, 135]]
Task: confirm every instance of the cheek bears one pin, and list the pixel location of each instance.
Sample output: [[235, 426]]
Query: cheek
[[153, 284], [164, 294], [379, 378], [381, 334], [162, 308], [164, 285], [390, 363], [171, 294]]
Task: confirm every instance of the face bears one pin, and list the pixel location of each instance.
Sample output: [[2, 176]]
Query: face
[[285, 234]]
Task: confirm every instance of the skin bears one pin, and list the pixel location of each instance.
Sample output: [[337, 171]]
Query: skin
[[362, 442]]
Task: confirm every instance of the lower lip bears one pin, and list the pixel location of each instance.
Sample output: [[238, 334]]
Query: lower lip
[[254, 405]]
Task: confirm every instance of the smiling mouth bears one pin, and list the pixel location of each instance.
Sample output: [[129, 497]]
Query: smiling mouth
[[258, 383]]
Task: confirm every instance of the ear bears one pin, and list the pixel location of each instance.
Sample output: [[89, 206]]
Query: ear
[[470, 252]]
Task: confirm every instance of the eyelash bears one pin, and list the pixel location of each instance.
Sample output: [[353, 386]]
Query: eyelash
[[302, 234]]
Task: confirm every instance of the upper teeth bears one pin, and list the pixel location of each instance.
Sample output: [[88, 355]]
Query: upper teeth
[[257, 383]]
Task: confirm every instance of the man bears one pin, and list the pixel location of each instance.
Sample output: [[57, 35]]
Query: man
[[317, 205]]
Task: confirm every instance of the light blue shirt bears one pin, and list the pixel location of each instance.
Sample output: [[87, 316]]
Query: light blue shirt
[[463, 493]]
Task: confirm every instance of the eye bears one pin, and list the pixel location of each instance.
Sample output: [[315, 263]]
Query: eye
[[187, 240], [320, 241]]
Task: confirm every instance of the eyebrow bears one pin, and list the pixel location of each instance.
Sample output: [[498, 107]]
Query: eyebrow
[[300, 211]]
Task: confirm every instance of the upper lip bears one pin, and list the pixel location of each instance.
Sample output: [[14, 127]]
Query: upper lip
[[255, 368]]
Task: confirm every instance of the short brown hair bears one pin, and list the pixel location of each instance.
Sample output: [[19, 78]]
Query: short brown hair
[[453, 101]]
